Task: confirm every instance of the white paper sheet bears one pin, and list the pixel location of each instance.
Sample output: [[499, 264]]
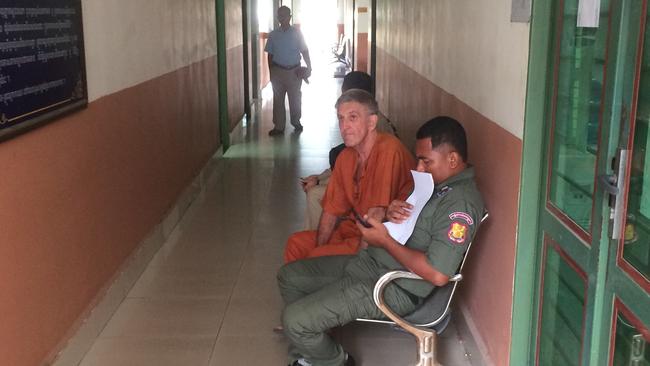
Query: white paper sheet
[[420, 196], [588, 13]]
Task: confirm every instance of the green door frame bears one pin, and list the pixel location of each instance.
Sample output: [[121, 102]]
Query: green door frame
[[530, 189], [255, 48], [373, 44], [246, 56], [222, 74]]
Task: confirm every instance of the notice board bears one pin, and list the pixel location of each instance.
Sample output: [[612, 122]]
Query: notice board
[[42, 68]]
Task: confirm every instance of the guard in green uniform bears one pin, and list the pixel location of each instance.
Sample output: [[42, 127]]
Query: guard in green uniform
[[326, 292]]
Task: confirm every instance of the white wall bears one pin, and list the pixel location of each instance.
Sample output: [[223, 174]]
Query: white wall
[[296, 10], [485, 58], [340, 5], [160, 37], [363, 19]]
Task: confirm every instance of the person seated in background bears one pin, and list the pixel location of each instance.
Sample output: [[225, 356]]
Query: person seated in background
[[315, 185], [372, 171], [327, 292]]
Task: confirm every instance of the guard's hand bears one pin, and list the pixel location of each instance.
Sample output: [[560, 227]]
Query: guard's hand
[[363, 244], [377, 235], [398, 211], [308, 182]]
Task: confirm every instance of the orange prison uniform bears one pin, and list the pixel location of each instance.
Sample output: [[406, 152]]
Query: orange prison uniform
[[386, 177]]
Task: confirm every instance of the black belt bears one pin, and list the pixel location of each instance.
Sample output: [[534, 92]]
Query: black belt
[[286, 67]]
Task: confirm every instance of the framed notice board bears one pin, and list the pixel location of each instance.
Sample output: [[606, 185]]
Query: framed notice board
[[42, 68]]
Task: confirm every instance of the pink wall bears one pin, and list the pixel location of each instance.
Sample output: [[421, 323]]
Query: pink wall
[[235, 61], [265, 77], [362, 53], [409, 100], [79, 194], [235, 57]]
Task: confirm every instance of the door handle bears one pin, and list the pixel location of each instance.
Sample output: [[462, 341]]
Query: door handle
[[614, 184], [608, 183]]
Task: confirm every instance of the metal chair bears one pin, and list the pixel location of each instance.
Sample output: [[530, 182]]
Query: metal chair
[[340, 51], [430, 318]]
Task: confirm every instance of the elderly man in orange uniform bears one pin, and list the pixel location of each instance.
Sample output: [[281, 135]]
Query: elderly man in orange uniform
[[372, 171]]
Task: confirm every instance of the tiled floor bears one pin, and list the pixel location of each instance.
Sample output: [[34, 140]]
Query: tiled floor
[[209, 296]]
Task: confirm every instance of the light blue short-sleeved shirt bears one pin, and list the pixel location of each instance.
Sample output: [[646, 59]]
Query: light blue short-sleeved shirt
[[285, 46]]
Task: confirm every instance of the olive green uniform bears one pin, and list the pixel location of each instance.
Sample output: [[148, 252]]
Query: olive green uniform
[[322, 293]]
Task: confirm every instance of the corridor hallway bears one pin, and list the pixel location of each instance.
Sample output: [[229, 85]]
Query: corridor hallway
[[209, 296]]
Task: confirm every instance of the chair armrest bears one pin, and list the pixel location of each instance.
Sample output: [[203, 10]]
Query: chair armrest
[[387, 278], [391, 276], [378, 296]]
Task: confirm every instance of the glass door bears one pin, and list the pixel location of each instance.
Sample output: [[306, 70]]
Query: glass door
[[628, 280], [582, 289], [573, 209]]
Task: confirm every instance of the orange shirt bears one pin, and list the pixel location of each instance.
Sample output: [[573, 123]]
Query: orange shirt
[[386, 177]]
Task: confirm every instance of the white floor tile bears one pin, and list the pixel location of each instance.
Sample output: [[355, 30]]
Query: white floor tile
[[270, 349], [193, 351], [172, 282], [151, 318]]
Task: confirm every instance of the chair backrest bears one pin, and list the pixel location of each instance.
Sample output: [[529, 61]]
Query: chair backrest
[[339, 44], [436, 306], [339, 49]]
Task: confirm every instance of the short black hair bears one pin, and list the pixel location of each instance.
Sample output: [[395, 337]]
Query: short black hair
[[334, 154], [445, 130], [357, 80]]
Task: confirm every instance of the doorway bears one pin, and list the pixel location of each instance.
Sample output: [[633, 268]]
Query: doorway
[[318, 21]]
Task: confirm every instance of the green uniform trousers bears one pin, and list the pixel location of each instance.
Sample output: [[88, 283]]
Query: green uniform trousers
[[326, 292]]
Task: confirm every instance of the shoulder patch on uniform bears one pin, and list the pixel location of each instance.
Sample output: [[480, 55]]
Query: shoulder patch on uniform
[[443, 191], [457, 232], [461, 215]]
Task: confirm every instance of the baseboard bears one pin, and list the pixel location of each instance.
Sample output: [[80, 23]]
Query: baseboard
[[473, 342], [90, 324]]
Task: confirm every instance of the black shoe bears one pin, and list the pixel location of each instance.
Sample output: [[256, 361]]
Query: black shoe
[[349, 361], [297, 128], [275, 132]]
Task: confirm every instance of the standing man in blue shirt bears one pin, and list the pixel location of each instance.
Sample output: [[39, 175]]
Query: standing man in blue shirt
[[284, 47]]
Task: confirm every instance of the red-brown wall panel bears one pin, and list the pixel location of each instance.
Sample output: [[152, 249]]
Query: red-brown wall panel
[[79, 194], [235, 60], [265, 76], [362, 52]]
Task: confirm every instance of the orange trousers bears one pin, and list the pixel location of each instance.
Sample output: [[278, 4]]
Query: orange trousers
[[302, 245]]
